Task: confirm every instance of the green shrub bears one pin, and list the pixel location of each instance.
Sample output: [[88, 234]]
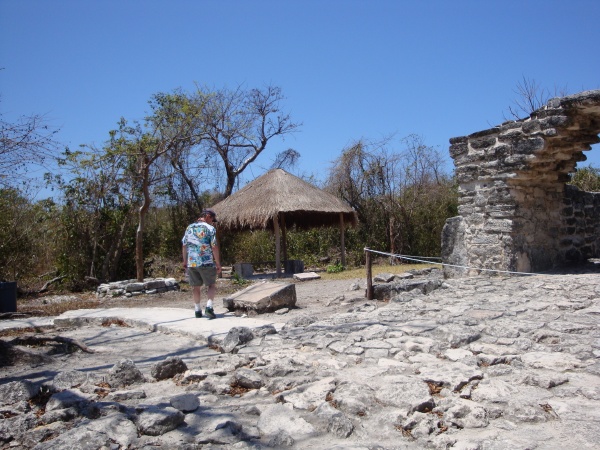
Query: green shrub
[[335, 268]]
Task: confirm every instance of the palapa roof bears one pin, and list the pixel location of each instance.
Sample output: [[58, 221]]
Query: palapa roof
[[303, 205]]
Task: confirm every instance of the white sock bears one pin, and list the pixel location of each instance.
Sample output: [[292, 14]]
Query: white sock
[[209, 304], [197, 307]]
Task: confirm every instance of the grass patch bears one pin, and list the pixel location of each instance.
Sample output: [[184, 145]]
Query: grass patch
[[361, 272]]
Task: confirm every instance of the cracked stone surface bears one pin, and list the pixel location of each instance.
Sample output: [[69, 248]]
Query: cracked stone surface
[[479, 363]]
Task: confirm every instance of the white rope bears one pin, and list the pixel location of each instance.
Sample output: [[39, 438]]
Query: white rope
[[410, 258]]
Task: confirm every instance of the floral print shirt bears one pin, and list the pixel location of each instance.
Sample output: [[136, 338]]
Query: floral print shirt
[[199, 238]]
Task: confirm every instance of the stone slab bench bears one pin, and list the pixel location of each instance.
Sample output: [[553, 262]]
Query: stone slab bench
[[246, 269], [262, 298]]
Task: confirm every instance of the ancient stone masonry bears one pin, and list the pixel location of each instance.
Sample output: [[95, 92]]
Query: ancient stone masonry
[[515, 211], [131, 288]]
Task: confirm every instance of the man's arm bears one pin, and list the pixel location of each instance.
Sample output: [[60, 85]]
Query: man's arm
[[185, 256], [217, 257]]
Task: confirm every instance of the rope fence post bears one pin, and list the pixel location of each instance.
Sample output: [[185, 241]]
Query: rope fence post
[[369, 274]]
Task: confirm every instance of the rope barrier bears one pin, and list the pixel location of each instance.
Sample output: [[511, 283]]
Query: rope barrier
[[412, 258]]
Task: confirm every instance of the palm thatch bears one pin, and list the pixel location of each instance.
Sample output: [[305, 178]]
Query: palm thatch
[[280, 195]]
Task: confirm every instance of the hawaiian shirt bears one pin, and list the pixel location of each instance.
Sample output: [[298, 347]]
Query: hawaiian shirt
[[199, 238]]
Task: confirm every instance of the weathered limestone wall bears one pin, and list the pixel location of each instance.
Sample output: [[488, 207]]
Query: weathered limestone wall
[[581, 217], [516, 213]]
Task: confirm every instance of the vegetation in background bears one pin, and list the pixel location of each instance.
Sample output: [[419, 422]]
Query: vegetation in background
[[402, 196], [587, 179], [335, 268], [27, 234], [121, 208], [25, 144], [378, 267]]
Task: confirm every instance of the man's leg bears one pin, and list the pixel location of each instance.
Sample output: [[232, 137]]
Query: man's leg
[[209, 278], [197, 295], [196, 285], [209, 311], [210, 293]]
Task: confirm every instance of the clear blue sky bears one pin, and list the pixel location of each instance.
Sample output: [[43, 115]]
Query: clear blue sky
[[348, 69]]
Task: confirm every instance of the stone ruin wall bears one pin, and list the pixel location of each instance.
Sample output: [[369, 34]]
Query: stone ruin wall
[[515, 211]]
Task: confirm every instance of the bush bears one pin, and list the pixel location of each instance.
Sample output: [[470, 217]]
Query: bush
[[335, 268]]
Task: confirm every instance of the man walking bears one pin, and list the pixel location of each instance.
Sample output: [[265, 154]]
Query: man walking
[[202, 260]]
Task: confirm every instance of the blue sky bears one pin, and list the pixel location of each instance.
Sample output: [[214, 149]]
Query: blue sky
[[348, 69]]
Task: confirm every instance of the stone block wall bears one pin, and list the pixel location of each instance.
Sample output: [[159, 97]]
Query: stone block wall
[[581, 219], [515, 211]]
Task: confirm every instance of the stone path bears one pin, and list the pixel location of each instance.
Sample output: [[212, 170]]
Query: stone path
[[479, 363]]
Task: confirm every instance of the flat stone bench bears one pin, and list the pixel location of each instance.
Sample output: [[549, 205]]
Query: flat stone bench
[[291, 266], [262, 298]]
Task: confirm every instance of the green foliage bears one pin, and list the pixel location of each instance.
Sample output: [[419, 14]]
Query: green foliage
[[27, 233], [247, 246], [237, 279], [310, 245], [147, 175], [587, 179], [335, 268], [306, 245]]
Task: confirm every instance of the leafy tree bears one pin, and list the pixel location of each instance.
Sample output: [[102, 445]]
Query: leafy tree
[[26, 233], [143, 152], [98, 199], [177, 119]]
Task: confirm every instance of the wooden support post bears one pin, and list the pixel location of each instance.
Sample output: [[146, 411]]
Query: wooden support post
[[283, 237], [342, 243], [369, 274], [277, 245], [392, 248]]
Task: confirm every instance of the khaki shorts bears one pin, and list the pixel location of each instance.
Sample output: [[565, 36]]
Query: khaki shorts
[[202, 276]]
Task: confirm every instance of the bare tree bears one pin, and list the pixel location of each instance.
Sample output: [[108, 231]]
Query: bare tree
[[239, 124], [531, 96], [402, 196], [286, 159], [28, 141]]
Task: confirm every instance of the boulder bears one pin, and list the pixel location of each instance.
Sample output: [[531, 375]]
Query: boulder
[[124, 373], [168, 368]]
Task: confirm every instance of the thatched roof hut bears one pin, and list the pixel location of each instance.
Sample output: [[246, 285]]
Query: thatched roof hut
[[260, 201], [277, 200]]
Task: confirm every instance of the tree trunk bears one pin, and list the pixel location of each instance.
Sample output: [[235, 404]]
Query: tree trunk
[[111, 262], [94, 256], [139, 234], [190, 184], [342, 240], [230, 183]]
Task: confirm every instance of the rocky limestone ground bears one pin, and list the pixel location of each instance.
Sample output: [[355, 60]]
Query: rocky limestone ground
[[472, 363]]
